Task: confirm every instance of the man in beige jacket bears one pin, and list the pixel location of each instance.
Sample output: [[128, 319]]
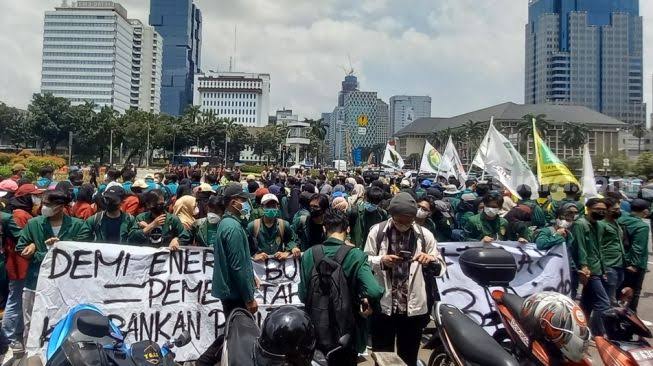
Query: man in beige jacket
[[398, 250]]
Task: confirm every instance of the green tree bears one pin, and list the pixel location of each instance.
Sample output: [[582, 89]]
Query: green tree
[[574, 135], [13, 125], [472, 133], [639, 131], [525, 129], [644, 165], [51, 120]]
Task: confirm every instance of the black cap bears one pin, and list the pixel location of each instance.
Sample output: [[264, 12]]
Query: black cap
[[115, 191], [639, 205], [234, 190]]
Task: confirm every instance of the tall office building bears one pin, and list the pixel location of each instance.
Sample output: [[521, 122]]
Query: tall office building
[[405, 109], [146, 68], [87, 54], [586, 52], [180, 24], [245, 97]]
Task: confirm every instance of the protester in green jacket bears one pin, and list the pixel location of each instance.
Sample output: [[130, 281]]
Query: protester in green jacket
[[158, 227], [271, 234], [42, 232], [365, 290], [303, 212], [204, 231], [637, 232], [594, 299], [487, 226], [310, 231], [561, 233], [544, 203], [572, 192], [612, 248], [366, 214], [112, 225], [233, 274], [538, 218]]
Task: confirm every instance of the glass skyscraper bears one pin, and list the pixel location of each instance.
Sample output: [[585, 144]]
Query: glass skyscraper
[[180, 24], [586, 52]]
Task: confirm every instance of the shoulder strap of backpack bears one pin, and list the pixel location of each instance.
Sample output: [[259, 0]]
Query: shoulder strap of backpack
[[282, 228], [341, 254], [380, 234], [318, 254], [257, 227], [97, 220]]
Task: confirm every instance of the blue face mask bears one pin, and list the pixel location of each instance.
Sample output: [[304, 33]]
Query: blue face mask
[[370, 207], [246, 209]]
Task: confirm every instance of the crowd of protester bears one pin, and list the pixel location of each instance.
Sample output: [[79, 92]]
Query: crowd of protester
[[388, 226]]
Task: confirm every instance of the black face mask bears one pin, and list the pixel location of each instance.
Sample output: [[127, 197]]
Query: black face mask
[[598, 215], [159, 209], [112, 204], [316, 212], [616, 214]]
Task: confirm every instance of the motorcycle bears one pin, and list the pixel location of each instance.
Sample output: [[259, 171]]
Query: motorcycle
[[495, 267], [85, 336], [240, 343], [460, 341]]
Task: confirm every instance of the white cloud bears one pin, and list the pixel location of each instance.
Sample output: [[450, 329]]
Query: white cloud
[[465, 54]]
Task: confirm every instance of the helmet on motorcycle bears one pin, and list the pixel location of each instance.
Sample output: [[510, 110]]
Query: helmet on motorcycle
[[287, 338], [556, 319]]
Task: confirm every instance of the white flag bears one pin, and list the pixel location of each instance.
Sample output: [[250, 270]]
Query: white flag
[[588, 182], [431, 159], [479, 159], [451, 163], [501, 160], [392, 158]]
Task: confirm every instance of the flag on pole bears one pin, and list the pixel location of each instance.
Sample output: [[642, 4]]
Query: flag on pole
[[498, 157], [392, 158], [589, 182], [550, 170], [451, 163], [431, 159]]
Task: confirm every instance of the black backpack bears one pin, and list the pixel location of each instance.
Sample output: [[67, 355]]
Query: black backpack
[[329, 301]]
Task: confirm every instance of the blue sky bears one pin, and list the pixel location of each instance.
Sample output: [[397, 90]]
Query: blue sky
[[465, 54]]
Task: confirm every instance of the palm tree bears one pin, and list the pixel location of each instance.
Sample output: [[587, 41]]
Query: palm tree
[[317, 133], [193, 113], [473, 132], [525, 129], [575, 135], [638, 130]]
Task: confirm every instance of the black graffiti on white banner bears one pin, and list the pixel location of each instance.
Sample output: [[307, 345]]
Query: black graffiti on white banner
[[168, 292], [282, 270], [563, 286], [469, 305], [545, 256]]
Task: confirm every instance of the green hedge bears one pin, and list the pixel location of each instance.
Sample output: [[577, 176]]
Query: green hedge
[[255, 169]]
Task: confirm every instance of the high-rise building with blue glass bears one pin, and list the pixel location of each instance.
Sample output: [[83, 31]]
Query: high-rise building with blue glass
[[180, 24], [586, 52]]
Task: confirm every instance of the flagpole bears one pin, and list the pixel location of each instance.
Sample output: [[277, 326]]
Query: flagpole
[[488, 146], [537, 154]]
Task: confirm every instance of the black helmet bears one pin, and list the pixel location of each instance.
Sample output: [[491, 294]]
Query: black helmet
[[287, 338]]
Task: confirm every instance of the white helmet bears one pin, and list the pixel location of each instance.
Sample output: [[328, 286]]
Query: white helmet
[[558, 320]]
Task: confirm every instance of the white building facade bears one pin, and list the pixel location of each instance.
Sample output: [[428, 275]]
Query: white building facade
[[89, 53], [243, 97], [147, 61], [405, 109]]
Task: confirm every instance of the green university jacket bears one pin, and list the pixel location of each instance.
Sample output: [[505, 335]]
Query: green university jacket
[[538, 218], [38, 230], [547, 238], [233, 275], [269, 239], [637, 232], [588, 246], [478, 226], [612, 248], [171, 228], [203, 234], [357, 270], [128, 228]]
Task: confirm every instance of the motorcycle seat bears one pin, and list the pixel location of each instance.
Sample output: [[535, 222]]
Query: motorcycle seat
[[514, 303], [471, 341]]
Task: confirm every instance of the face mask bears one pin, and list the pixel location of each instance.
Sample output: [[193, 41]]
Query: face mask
[[159, 209], [36, 200], [47, 211], [245, 209], [401, 227], [271, 213], [316, 212], [598, 215], [564, 224], [422, 213], [112, 205], [616, 214], [196, 211], [370, 207], [491, 212], [212, 218]]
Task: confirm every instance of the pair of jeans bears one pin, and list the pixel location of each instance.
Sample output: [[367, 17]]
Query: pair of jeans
[[595, 301], [615, 277], [213, 354], [634, 280], [12, 322], [405, 331]]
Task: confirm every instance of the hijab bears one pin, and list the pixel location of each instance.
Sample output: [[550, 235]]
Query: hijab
[[184, 208]]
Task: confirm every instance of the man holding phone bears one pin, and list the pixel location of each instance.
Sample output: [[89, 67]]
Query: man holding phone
[[398, 250]]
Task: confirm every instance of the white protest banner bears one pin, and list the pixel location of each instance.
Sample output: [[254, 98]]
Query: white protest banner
[[536, 271], [149, 293]]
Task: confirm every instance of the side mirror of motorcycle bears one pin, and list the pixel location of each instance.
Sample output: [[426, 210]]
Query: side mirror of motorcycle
[[94, 326], [183, 339]]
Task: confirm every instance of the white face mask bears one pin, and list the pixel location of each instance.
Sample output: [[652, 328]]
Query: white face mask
[[422, 213], [401, 227], [491, 212], [36, 200], [564, 224], [196, 211], [212, 218], [47, 211]]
